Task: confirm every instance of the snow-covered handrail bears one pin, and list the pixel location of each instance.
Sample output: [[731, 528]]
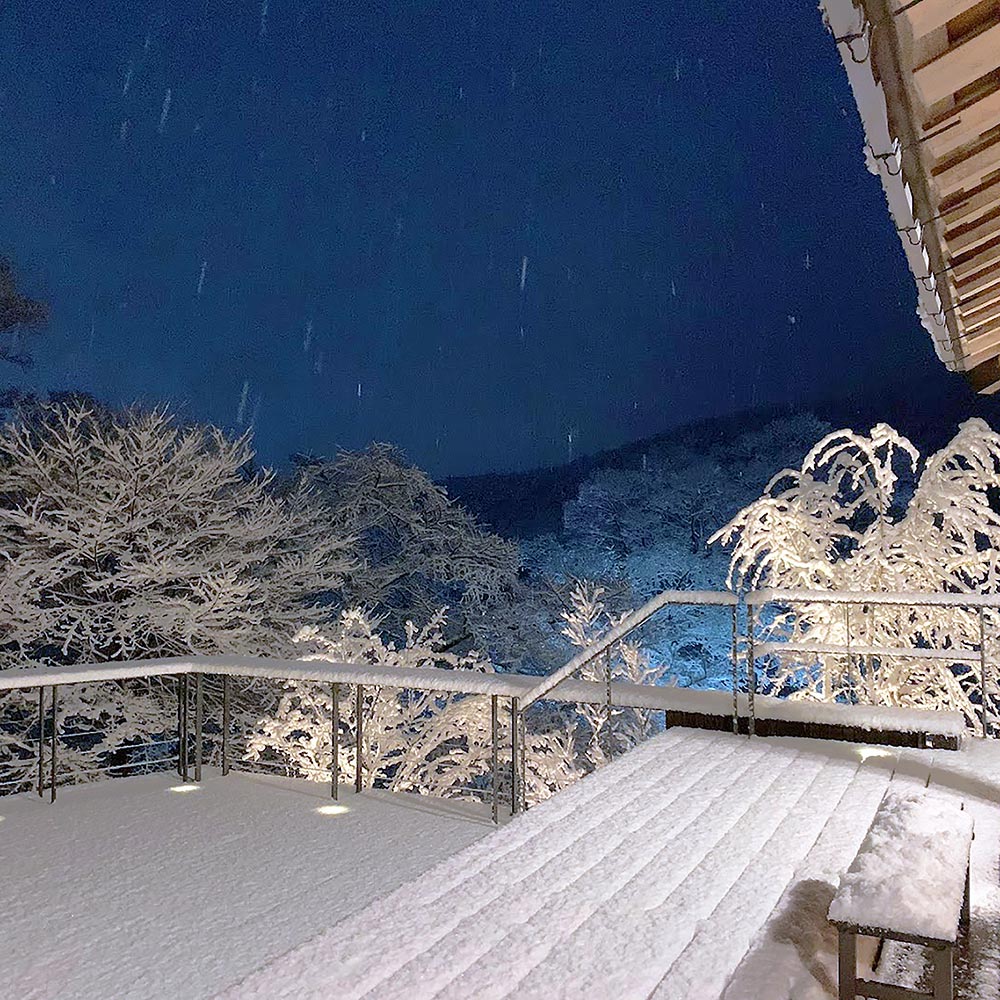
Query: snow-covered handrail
[[629, 623], [898, 598], [837, 649], [415, 678]]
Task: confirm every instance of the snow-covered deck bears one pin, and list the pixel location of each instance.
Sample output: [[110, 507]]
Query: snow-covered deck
[[697, 866], [148, 889]]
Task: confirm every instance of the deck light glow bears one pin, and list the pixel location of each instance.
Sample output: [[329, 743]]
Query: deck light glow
[[332, 810]]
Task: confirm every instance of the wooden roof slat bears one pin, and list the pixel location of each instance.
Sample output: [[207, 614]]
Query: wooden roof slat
[[957, 67], [970, 172], [988, 256], [983, 346], [925, 16], [967, 238], [977, 203], [983, 297], [963, 126], [978, 280], [989, 319]]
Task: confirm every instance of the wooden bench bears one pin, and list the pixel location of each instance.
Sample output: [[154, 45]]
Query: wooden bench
[[908, 882]]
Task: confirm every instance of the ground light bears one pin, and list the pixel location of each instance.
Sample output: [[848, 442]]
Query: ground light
[[332, 810], [184, 788]]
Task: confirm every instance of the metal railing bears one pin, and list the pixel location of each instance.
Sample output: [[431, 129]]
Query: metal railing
[[519, 691], [975, 656]]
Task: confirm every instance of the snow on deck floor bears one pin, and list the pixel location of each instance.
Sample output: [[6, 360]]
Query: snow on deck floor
[[694, 863], [128, 889]]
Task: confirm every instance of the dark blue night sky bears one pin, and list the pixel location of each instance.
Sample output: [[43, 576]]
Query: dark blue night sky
[[680, 185]]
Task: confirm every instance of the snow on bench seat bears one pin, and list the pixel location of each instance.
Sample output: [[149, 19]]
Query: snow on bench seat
[[910, 873]]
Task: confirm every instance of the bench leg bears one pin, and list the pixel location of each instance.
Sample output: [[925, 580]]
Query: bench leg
[[944, 987], [848, 965], [966, 915]]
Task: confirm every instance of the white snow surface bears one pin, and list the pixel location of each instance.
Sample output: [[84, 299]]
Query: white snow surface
[[660, 876], [137, 889], [698, 865], [909, 875]]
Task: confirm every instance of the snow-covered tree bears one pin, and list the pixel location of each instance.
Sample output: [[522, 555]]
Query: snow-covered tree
[[644, 529], [426, 742], [585, 619], [125, 535], [420, 550], [861, 514]]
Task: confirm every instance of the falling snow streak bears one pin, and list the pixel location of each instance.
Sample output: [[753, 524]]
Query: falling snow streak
[[242, 408], [263, 19], [128, 80], [524, 271], [166, 111], [201, 277], [308, 338]]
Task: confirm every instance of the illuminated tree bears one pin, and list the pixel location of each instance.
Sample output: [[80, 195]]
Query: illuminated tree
[[861, 514], [125, 535]]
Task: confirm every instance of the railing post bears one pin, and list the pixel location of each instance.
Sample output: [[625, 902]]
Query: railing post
[[982, 669], [180, 727], [359, 705], [184, 727], [609, 738], [225, 724], [515, 791], [335, 740], [734, 653], [850, 655], [52, 749], [494, 722], [41, 741], [199, 725], [524, 761], [751, 671]]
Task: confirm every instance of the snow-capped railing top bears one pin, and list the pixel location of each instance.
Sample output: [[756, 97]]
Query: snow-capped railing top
[[949, 654], [629, 623], [899, 598], [416, 678]]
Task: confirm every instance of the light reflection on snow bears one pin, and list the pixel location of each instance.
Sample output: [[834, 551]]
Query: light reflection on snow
[[332, 810], [184, 788], [865, 752]]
